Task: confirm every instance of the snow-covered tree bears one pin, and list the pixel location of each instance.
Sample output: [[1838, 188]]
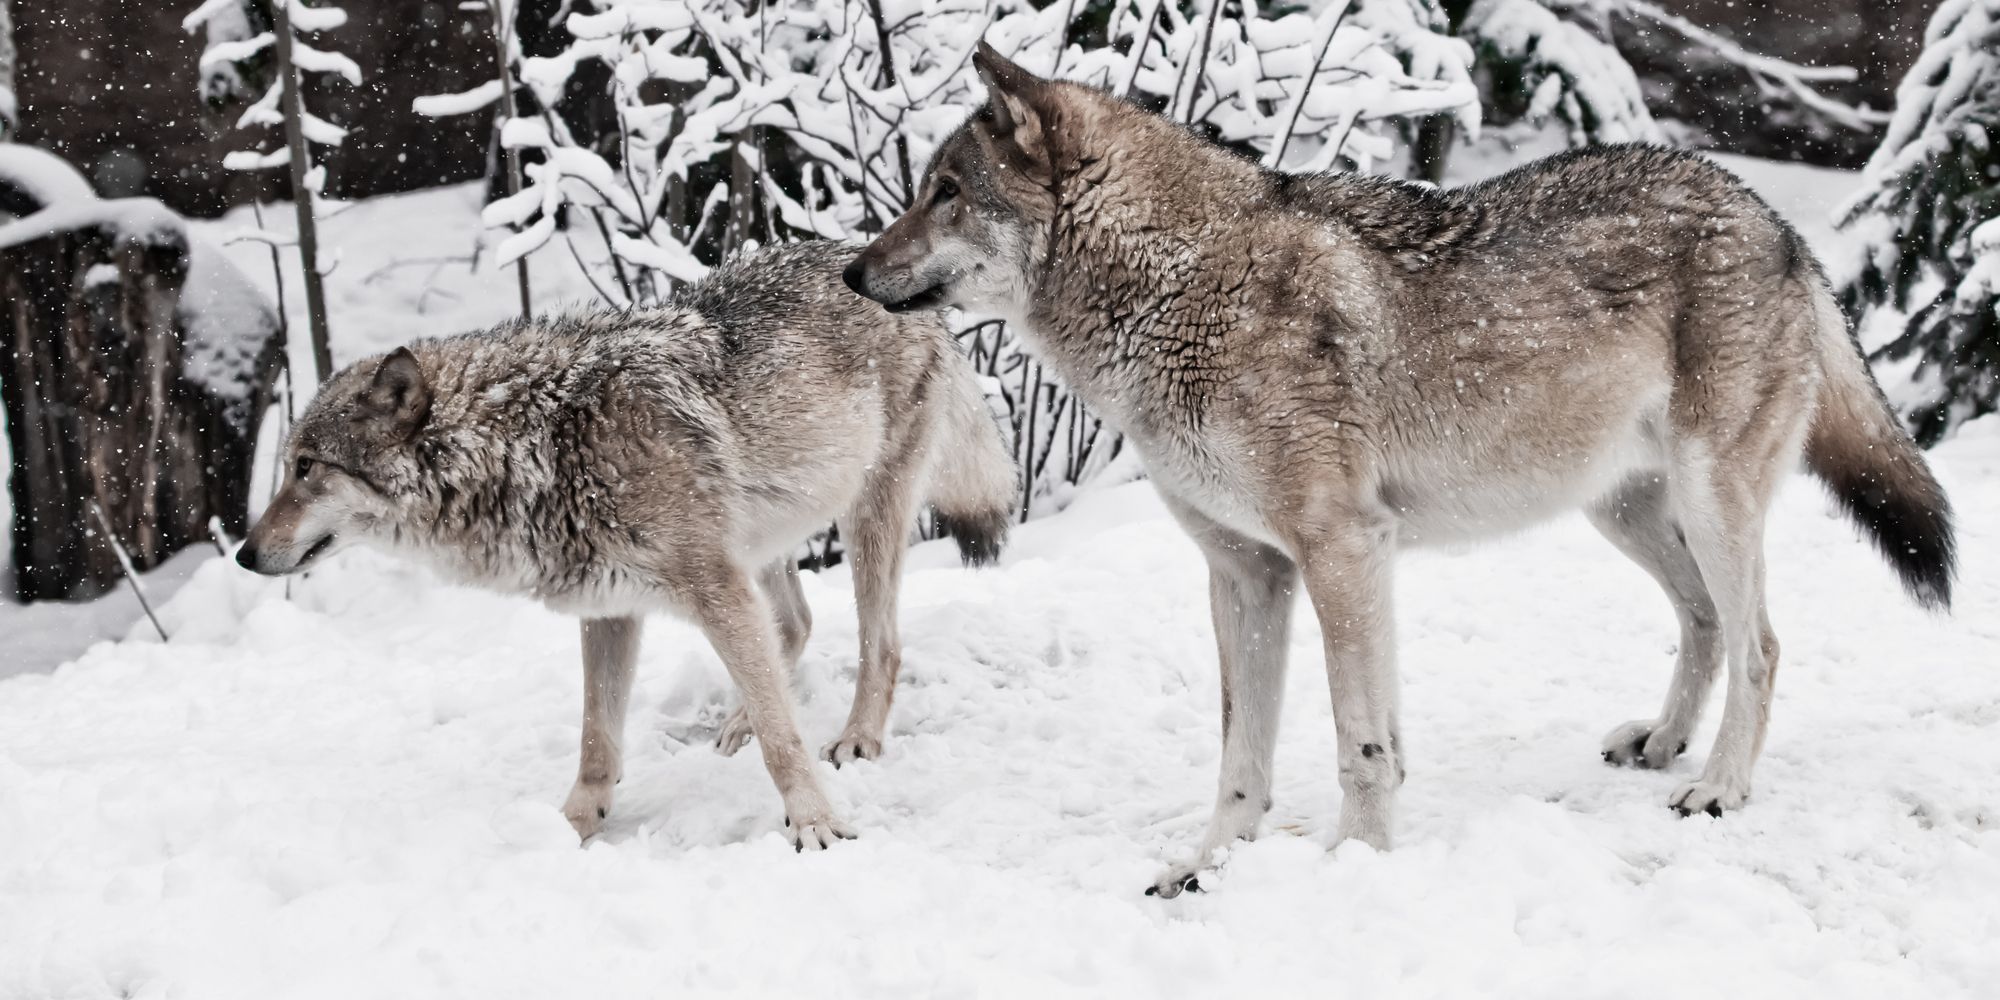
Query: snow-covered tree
[[254, 41], [1930, 205]]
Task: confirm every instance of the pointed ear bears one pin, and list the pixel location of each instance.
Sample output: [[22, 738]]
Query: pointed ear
[[1016, 98], [398, 397]]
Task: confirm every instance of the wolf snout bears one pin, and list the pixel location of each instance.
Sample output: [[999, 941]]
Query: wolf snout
[[246, 556], [886, 281], [856, 277]]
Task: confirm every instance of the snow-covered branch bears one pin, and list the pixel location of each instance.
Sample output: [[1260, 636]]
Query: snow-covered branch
[[1770, 72]]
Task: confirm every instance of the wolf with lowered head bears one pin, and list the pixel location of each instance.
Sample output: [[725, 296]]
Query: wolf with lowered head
[[613, 464], [1320, 370]]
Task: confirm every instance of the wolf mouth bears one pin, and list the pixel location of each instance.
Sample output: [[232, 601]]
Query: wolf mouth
[[929, 298], [317, 547]]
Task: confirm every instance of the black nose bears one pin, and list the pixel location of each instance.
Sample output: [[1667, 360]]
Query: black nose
[[856, 277], [246, 556]]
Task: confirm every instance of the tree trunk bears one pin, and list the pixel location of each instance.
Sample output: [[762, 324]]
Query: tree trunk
[[99, 411], [10, 110], [743, 192], [503, 46], [1432, 151], [293, 108]]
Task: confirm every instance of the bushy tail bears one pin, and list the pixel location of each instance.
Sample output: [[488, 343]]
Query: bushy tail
[[972, 482], [1878, 475]]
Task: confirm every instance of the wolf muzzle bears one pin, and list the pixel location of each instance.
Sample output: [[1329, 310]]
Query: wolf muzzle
[[855, 275], [250, 557], [857, 278], [877, 276]]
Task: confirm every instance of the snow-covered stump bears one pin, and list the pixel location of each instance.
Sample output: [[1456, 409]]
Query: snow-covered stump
[[133, 375]]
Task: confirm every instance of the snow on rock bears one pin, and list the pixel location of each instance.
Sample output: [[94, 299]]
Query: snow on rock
[[226, 318], [228, 324], [352, 792]]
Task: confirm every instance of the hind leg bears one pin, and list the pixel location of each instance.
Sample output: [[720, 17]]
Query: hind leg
[[880, 531], [780, 583], [1721, 507], [1637, 519]]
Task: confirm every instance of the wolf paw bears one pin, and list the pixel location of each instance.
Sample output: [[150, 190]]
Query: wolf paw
[[735, 734], [854, 744], [816, 831], [1642, 744], [1711, 797], [587, 806], [1176, 880]]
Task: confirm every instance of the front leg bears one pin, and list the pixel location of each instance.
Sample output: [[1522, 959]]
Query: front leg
[[1346, 561], [610, 650], [1250, 591], [738, 622]]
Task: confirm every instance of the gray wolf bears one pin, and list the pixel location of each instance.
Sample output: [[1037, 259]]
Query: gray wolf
[[613, 464], [1320, 370]]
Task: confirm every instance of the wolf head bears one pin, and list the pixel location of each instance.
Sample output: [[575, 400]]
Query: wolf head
[[345, 457], [980, 223]]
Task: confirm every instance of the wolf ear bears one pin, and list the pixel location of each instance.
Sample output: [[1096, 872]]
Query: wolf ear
[[398, 396], [1016, 98]]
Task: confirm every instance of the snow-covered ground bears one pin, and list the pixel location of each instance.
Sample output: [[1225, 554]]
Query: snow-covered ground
[[352, 793]]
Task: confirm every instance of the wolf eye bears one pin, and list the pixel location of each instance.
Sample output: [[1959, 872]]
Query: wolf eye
[[947, 189], [303, 466]]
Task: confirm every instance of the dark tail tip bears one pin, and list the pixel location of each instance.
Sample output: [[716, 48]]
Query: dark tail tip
[[980, 537], [1913, 531]]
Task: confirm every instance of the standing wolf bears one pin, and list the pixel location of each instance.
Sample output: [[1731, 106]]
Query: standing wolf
[[1319, 370], [614, 464]]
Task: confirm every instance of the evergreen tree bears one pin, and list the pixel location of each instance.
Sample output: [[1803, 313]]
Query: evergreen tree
[[1931, 203]]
